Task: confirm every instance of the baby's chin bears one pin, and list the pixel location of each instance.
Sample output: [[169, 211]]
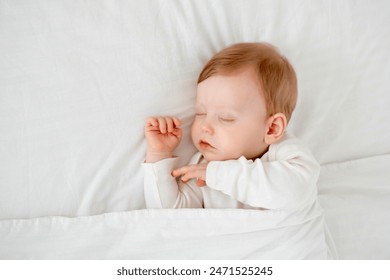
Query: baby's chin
[[213, 157], [208, 157]]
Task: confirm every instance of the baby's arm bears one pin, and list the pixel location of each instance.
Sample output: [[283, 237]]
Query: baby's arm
[[161, 190], [285, 182]]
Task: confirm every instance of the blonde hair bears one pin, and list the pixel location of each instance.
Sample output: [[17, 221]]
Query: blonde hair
[[276, 75]]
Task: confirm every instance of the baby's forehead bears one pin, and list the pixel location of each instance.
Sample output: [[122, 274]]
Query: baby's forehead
[[236, 106], [234, 85]]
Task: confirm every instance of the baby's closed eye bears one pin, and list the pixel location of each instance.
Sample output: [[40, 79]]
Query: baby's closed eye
[[227, 118]]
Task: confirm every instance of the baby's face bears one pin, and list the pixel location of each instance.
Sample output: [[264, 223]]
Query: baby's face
[[230, 119]]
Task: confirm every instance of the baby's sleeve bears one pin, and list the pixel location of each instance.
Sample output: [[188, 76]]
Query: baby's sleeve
[[161, 189], [286, 181]]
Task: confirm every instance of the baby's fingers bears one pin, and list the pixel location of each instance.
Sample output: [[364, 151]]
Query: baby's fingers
[[200, 183], [177, 172], [166, 124], [170, 124], [190, 172], [151, 121], [182, 170], [176, 122], [162, 125]]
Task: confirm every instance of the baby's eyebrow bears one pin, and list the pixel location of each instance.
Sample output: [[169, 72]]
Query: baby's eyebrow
[[199, 107]]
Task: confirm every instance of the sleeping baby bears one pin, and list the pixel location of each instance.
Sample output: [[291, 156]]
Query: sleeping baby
[[246, 159]]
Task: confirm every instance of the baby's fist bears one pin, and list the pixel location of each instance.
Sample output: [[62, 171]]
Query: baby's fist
[[163, 135]]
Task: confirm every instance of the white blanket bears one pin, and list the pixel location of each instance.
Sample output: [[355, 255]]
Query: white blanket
[[169, 234], [356, 198]]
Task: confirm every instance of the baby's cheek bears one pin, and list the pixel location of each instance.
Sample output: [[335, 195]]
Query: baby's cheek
[[194, 134], [244, 146], [231, 149]]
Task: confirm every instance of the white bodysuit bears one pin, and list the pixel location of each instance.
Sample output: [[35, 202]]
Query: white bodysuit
[[283, 178]]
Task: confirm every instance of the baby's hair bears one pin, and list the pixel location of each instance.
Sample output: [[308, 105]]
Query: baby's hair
[[276, 75]]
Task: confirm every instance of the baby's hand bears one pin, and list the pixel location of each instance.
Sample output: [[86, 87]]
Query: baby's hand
[[189, 172], [163, 135]]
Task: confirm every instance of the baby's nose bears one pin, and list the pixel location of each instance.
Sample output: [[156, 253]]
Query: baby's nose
[[207, 127]]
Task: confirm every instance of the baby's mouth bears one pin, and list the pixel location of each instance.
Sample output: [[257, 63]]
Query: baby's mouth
[[205, 145]]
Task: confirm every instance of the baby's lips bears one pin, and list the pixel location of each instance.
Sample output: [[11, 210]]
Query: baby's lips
[[205, 144]]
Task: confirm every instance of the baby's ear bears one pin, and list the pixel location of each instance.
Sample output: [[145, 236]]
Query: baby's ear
[[276, 126]]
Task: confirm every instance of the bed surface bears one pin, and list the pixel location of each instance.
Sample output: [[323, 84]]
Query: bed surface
[[78, 79]]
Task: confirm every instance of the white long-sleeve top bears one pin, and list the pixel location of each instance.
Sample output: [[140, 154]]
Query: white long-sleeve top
[[283, 178]]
